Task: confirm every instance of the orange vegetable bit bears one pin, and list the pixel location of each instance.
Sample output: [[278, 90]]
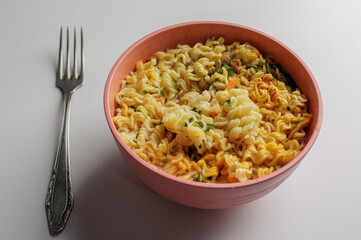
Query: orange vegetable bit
[[159, 100], [213, 114], [231, 83]]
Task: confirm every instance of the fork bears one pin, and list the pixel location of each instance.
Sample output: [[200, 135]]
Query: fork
[[59, 199]]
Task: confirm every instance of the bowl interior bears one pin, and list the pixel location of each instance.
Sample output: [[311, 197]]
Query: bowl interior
[[191, 33]]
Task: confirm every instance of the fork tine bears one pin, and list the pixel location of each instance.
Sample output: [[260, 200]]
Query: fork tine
[[67, 65], [75, 57], [60, 57], [82, 53]]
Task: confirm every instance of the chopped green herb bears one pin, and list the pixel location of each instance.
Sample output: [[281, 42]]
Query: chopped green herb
[[298, 122], [161, 93], [200, 146], [138, 110], [145, 91], [217, 80], [227, 67], [174, 85], [229, 101], [288, 108], [200, 124], [195, 110], [252, 66], [198, 178], [135, 141], [194, 72], [284, 77], [209, 127], [191, 119], [229, 70], [165, 160], [277, 167], [272, 68]]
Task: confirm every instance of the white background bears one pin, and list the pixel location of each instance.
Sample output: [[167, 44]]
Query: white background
[[321, 200]]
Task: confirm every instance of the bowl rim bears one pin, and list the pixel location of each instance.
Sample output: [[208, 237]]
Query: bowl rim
[[149, 166]]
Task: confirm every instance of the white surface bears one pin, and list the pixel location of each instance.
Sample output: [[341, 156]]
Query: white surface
[[321, 200]]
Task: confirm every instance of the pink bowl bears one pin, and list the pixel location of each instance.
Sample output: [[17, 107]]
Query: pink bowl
[[196, 194]]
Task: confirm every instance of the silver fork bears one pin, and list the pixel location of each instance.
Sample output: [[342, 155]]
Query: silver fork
[[59, 198]]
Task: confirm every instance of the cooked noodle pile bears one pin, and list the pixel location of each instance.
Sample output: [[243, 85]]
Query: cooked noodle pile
[[212, 112]]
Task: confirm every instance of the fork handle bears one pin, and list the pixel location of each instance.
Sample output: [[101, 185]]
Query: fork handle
[[59, 198]]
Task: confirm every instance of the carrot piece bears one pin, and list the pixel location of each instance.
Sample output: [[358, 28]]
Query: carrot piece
[[213, 114], [159, 100], [231, 83]]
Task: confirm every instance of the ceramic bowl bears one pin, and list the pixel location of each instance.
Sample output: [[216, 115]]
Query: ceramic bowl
[[210, 195]]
